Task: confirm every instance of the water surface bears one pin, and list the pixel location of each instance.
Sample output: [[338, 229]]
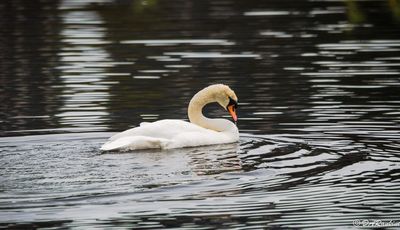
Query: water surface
[[317, 82]]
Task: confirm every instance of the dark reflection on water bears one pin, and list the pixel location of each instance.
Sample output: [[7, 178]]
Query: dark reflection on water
[[317, 81]]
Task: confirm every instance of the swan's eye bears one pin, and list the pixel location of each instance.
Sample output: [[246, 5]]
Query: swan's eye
[[232, 103], [231, 107]]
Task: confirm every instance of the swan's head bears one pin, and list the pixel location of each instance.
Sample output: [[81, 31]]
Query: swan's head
[[227, 98], [219, 93]]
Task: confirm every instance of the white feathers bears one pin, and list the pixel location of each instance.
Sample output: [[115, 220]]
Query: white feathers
[[168, 134]]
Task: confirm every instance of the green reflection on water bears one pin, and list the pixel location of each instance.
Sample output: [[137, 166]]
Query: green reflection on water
[[394, 5], [354, 12]]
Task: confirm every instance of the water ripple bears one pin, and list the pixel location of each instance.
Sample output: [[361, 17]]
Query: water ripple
[[164, 42]]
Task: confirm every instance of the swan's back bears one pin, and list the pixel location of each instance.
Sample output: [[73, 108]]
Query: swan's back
[[159, 129]]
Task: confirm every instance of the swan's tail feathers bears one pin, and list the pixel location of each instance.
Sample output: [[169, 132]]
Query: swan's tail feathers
[[134, 143]]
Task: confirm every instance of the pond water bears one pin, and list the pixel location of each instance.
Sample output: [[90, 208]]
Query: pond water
[[318, 85]]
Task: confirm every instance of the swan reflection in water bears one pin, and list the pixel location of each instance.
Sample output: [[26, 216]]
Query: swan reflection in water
[[210, 160], [159, 165]]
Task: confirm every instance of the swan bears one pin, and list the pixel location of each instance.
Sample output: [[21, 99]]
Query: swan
[[200, 131]]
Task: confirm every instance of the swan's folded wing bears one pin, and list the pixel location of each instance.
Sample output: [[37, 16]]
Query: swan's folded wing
[[159, 129]]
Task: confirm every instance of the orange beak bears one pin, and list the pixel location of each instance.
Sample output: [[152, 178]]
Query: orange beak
[[231, 109]]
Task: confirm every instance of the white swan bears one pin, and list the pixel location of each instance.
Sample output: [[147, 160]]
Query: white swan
[[168, 134]]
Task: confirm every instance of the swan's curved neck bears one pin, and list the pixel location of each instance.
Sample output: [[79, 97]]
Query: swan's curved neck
[[196, 116]]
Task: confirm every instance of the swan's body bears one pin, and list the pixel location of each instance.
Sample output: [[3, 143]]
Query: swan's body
[[168, 134]]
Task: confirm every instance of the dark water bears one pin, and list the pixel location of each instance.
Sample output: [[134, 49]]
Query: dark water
[[318, 85]]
